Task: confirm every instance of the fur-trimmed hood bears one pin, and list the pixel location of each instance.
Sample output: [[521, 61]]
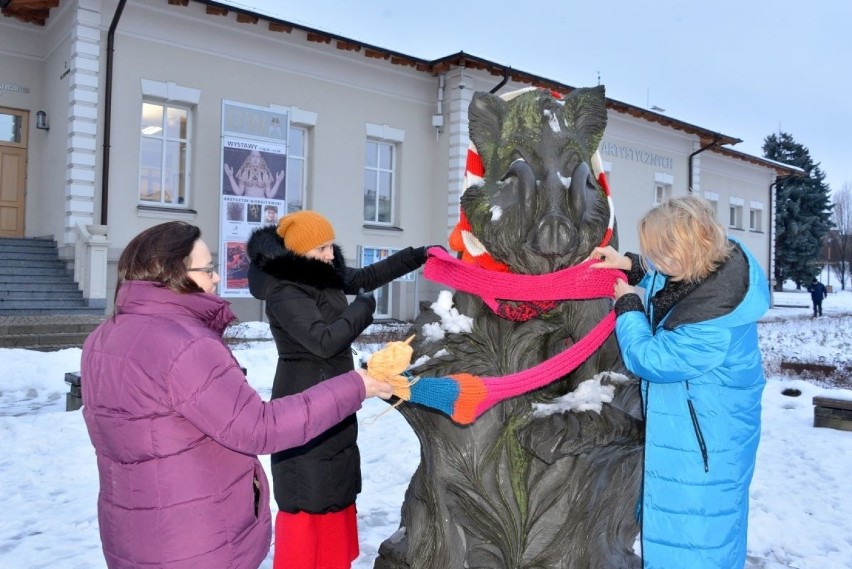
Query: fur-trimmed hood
[[271, 260]]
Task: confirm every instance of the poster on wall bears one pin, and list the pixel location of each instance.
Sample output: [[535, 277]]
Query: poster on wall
[[252, 190]]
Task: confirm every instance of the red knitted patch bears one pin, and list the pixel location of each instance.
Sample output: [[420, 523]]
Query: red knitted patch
[[525, 310]]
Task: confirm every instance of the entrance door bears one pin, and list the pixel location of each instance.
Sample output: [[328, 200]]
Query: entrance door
[[13, 171]]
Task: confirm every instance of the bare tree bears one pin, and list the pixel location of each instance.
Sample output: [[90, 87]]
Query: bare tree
[[839, 245]]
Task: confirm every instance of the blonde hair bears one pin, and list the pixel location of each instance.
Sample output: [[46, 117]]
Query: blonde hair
[[684, 234]]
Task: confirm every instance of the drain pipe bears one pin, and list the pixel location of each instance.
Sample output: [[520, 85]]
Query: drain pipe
[[773, 210], [771, 260], [108, 110], [505, 80], [691, 156]]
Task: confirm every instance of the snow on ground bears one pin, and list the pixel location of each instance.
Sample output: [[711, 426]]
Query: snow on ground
[[799, 514]]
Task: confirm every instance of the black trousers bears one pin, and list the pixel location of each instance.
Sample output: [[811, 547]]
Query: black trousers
[[817, 307]]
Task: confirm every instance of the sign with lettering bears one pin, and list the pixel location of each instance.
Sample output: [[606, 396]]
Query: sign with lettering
[[636, 155], [15, 88], [252, 192]]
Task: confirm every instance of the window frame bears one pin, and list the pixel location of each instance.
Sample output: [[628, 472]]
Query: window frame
[[663, 184], [755, 214], [735, 216], [163, 138], [300, 162], [665, 189], [713, 198], [378, 170]]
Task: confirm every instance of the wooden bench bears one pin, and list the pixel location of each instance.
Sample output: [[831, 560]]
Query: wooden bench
[[833, 413]]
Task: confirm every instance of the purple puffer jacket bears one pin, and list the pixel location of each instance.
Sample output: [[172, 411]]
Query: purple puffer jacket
[[176, 429]]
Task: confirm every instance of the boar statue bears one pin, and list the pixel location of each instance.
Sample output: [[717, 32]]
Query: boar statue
[[528, 482]]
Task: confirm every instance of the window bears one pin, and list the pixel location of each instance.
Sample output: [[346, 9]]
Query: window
[[755, 220], [662, 192], [381, 162], [297, 168], [662, 187], [384, 295], [736, 217], [164, 156], [713, 198], [383, 299], [379, 169]]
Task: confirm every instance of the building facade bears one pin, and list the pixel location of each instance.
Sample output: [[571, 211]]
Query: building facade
[[116, 115]]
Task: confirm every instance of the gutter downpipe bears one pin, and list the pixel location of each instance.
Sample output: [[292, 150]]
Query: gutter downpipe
[[773, 206], [108, 110], [505, 80], [700, 150]]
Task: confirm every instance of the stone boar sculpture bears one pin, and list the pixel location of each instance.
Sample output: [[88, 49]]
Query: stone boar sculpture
[[526, 483]]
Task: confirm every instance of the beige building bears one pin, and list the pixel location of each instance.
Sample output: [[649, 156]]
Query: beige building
[[116, 115]]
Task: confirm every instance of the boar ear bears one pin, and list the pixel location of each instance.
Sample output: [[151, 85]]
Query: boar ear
[[485, 115], [585, 114]]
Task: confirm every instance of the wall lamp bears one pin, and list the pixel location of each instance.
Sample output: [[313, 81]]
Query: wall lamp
[[41, 121]]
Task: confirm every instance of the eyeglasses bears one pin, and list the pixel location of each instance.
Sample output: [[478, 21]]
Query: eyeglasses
[[209, 269]]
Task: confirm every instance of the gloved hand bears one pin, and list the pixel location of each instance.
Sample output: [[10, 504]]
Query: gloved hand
[[420, 253], [367, 298]]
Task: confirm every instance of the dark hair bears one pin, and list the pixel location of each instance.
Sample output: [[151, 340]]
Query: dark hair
[[160, 254]]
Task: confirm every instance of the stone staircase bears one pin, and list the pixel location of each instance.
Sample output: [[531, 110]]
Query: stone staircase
[[34, 281], [41, 307]]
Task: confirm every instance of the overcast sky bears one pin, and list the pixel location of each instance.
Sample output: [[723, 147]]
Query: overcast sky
[[739, 67]]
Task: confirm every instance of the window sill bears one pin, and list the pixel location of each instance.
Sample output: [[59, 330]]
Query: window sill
[[755, 231], [736, 228], [382, 227], [156, 212]]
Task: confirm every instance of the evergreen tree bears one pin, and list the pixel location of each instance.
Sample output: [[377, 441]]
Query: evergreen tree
[[802, 212]]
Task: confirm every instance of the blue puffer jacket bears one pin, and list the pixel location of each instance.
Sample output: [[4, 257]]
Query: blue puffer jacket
[[702, 381]]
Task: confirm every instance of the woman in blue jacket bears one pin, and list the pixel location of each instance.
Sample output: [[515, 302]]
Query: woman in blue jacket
[[694, 345]]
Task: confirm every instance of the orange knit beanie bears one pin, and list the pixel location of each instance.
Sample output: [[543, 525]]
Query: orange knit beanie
[[304, 230]]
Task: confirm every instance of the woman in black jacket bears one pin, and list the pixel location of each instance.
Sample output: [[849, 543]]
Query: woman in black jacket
[[301, 274]]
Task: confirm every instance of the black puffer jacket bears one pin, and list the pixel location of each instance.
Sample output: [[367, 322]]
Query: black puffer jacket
[[314, 326]]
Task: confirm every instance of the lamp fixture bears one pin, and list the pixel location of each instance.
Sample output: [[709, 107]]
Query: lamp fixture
[[41, 121]]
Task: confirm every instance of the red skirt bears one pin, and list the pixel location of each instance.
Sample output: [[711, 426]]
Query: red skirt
[[316, 541]]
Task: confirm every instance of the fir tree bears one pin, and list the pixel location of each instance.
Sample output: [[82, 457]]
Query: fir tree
[[802, 212]]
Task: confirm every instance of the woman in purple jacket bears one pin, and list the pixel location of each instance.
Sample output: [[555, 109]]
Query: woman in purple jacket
[[176, 426]]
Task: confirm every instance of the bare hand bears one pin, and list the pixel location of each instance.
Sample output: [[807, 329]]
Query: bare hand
[[610, 259], [375, 387], [622, 288]]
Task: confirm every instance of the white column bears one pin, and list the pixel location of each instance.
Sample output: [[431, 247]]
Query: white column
[[458, 92], [83, 115], [90, 263]]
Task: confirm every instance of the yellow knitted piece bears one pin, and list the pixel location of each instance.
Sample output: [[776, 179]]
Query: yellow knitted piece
[[388, 364]]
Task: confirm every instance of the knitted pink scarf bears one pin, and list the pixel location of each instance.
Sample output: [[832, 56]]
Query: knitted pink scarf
[[573, 283], [579, 282]]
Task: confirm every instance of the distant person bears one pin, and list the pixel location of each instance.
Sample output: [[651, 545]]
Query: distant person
[[300, 272], [693, 343], [818, 294], [175, 425], [270, 215]]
